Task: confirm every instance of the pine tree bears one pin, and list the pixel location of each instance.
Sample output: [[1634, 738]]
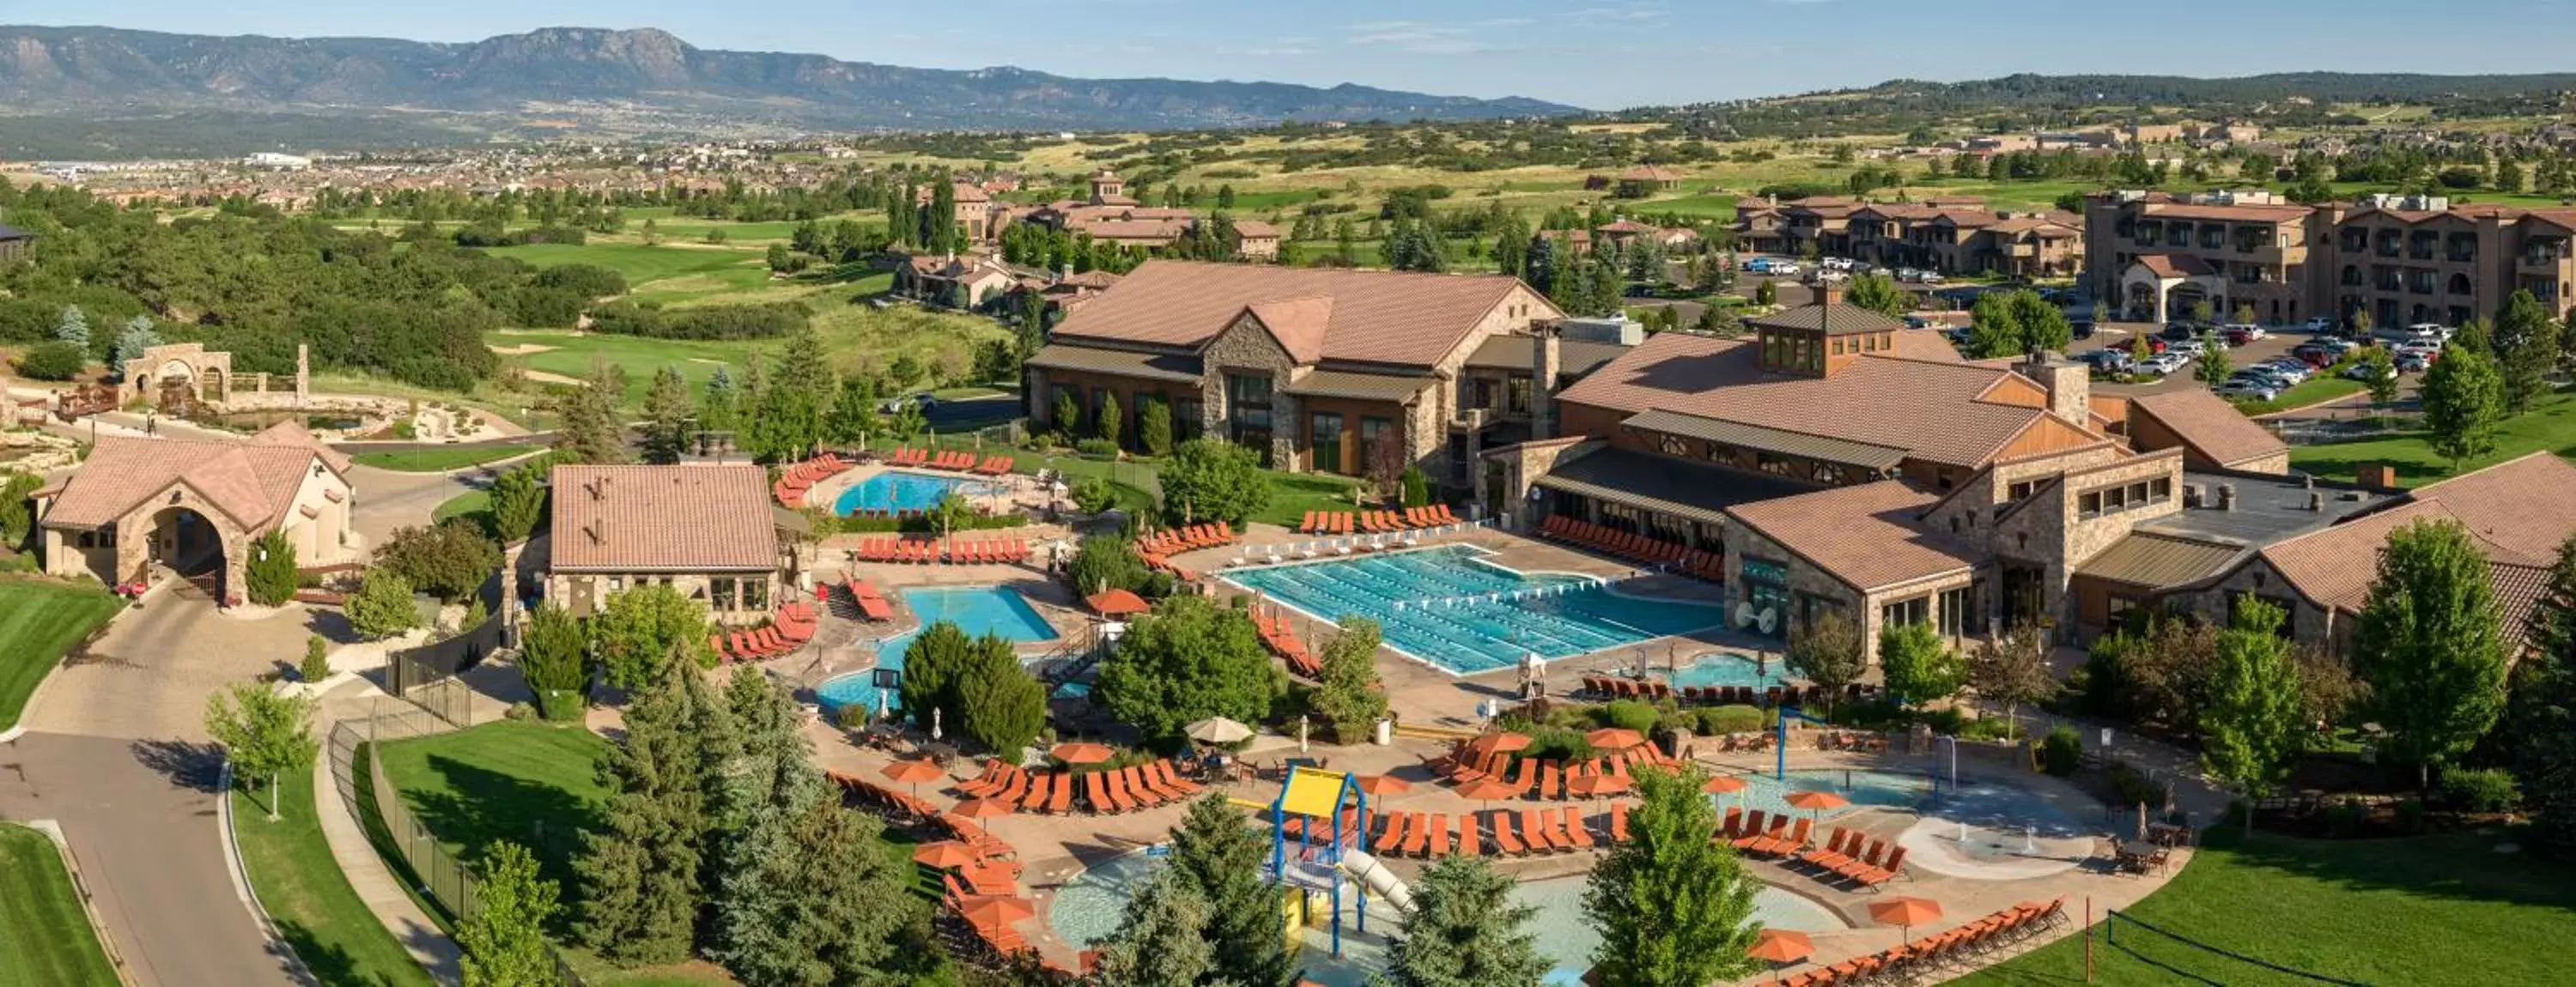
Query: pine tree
[[505, 940], [640, 873], [590, 431], [717, 411], [2251, 726], [1154, 426], [133, 340], [1674, 908], [853, 417], [2429, 643], [1217, 852], [271, 570], [1465, 931], [1539, 269], [73, 327], [666, 417], [1107, 420], [518, 503], [2541, 720], [1162, 939]]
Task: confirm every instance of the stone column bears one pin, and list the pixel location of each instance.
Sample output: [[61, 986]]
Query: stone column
[[303, 374]]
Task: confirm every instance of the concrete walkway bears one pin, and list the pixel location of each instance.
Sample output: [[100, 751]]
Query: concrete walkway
[[367, 871]]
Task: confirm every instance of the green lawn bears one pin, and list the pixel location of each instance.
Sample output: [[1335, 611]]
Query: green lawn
[[529, 783], [440, 460], [858, 339], [291, 868], [2427, 911], [640, 264], [2325, 386], [43, 931], [39, 620], [2550, 425]]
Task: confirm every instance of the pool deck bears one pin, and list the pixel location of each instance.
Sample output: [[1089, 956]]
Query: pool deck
[[1054, 849]]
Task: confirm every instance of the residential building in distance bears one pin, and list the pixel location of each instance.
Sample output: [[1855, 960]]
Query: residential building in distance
[[614, 529], [14, 243], [1334, 371], [2401, 260], [1954, 239]]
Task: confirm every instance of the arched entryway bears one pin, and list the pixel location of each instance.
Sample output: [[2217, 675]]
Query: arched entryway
[[185, 544]]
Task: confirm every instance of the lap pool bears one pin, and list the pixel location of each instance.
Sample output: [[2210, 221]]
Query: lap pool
[[1087, 909], [977, 610], [1450, 607], [898, 492]]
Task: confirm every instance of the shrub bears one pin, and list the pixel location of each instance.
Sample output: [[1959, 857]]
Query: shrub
[[382, 606], [1210, 479], [1717, 720], [271, 570], [2410, 816], [52, 361], [2480, 789], [2132, 788], [1555, 743], [1096, 449], [1103, 563], [2343, 818], [1417, 488], [317, 660], [1625, 713], [448, 560], [2062, 752], [1092, 494]]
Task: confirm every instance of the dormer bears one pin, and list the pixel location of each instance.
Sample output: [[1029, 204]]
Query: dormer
[[1819, 340]]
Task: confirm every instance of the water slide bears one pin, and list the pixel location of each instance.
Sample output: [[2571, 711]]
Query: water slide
[[1377, 878]]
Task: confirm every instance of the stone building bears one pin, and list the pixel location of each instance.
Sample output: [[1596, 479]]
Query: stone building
[[139, 508], [707, 531], [1319, 370]]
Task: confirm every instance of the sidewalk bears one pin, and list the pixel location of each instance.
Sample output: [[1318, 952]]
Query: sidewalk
[[367, 873]]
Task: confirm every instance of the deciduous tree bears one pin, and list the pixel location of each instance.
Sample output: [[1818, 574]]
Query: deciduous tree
[[2463, 403], [504, 941], [2526, 345], [1877, 293], [2012, 669], [2429, 643], [2250, 731], [1351, 697], [643, 628], [1675, 909], [2541, 719], [265, 734], [382, 606], [1919, 668], [1210, 479], [448, 560], [1828, 653], [1185, 662]]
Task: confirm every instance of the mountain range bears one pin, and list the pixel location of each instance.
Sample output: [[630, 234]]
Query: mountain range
[[644, 79]]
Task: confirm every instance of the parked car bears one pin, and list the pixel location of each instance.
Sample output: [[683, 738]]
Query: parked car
[[1931, 277], [2164, 363], [894, 404], [1758, 265], [2240, 333], [2362, 372], [2417, 346], [2181, 330], [2417, 362], [1835, 263], [1784, 268], [2321, 323], [2106, 360], [2186, 347], [1913, 321], [1828, 276], [2426, 330], [2248, 388]]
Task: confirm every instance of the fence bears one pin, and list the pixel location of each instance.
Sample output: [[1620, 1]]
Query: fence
[[2223, 971]]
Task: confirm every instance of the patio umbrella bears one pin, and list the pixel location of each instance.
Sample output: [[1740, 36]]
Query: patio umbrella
[[1383, 785], [1781, 946], [1905, 913], [944, 855], [1502, 741], [1486, 790], [1723, 785], [1118, 603], [1615, 739], [1816, 802], [1082, 753], [912, 773], [981, 809], [1219, 730], [1599, 785], [995, 909]]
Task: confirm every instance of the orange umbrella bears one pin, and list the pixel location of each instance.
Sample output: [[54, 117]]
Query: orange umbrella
[[1905, 913], [944, 855], [994, 910], [1816, 802], [1723, 785], [1082, 753], [1504, 742], [1615, 739], [981, 808], [912, 773], [1118, 603], [1383, 785], [1598, 785], [1781, 946], [1487, 790]]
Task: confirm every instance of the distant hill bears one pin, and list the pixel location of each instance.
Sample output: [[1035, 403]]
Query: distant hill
[[640, 80], [2323, 87]]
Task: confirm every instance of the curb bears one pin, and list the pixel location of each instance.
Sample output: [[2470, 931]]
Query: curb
[[53, 830], [241, 878]]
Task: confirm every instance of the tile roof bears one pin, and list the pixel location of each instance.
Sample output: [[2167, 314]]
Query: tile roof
[[2174, 265], [1298, 324], [1865, 535], [2518, 511], [2209, 425], [662, 519], [1836, 319], [2233, 214], [253, 483], [1929, 408], [1377, 316], [292, 434], [1364, 387], [1129, 363], [1773, 440], [1670, 486]]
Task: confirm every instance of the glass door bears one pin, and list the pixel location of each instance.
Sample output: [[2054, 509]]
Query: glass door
[[1324, 439]]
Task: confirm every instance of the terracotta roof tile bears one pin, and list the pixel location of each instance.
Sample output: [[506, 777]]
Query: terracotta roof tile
[[1927, 407], [2233, 214], [2174, 265], [2209, 425], [662, 519], [1298, 324], [1376, 316], [1865, 535], [252, 483], [2519, 511]]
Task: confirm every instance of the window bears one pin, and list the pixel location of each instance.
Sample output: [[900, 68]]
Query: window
[[1324, 438], [2017, 491], [1672, 445], [2160, 489], [1915, 611], [1374, 433], [1186, 424], [1958, 607], [1517, 393], [2088, 505], [1772, 464]]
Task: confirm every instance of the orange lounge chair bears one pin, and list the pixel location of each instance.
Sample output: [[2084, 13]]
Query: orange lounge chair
[[1536, 832], [1060, 800], [1618, 822], [1390, 835], [1040, 784], [1417, 837], [1550, 784], [1575, 828], [1186, 787], [1118, 792], [1504, 842], [1439, 835], [1468, 845], [1096, 792]]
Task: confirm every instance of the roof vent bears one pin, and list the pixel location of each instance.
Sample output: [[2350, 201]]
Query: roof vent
[[2226, 496]]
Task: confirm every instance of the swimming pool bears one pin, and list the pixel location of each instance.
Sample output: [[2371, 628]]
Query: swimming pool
[[1450, 607], [1088, 908], [899, 491], [1865, 789], [977, 610], [1732, 669]]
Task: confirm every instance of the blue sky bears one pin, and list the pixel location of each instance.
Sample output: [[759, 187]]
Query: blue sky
[[1594, 53]]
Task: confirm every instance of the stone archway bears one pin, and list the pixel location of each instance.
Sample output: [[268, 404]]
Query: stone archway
[[190, 546], [178, 372]]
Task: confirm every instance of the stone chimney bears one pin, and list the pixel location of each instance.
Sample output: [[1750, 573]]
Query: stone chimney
[[2379, 476], [2069, 384], [2226, 496], [1546, 362], [1829, 294]]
